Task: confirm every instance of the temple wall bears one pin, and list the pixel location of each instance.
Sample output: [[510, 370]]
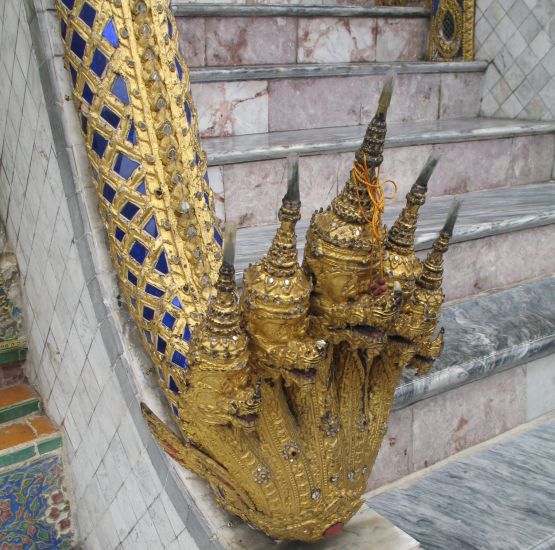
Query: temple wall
[[88, 375], [519, 38]]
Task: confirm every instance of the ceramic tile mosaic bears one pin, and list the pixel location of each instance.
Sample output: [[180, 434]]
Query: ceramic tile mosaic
[[34, 512], [518, 37]]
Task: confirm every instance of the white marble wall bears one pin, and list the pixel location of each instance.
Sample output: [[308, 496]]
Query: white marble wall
[[518, 37], [125, 490]]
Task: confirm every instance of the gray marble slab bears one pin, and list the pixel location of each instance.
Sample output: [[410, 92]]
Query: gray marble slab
[[183, 8], [253, 147], [482, 214], [320, 70], [502, 498]]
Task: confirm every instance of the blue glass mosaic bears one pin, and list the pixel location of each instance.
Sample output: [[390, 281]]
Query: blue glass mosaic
[[33, 510], [153, 290], [180, 360], [218, 237], [110, 34], [162, 264], [88, 94], [132, 278], [98, 63], [179, 69], [172, 385], [150, 227], [119, 233], [170, 29], [119, 89], [78, 45], [68, 4], [63, 28], [99, 144], [108, 192], [87, 14], [175, 410], [138, 252], [188, 113], [84, 123], [148, 313], [110, 117], [73, 74], [168, 320], [177, 303], [187, 333], [129, 210], [132, 135], [161, 345], [141, 188], [124, 166]]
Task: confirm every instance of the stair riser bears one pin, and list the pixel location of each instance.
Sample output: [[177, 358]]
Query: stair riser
[[11, 374], [221, 41], [259, 106], [253, 190]]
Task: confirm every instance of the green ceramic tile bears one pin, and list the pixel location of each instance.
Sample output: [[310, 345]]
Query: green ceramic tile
[[50, 445], [13, 355], [17, 456], [18, 411]]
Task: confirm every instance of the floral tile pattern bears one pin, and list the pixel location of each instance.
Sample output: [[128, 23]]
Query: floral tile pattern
[[34, 512]]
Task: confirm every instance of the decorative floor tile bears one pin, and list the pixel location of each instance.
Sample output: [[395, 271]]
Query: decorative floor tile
[[34, 512]]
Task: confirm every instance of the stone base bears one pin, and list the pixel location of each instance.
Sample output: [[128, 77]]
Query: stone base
[[366, 531]]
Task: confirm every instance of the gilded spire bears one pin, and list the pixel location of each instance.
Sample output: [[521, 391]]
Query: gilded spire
[[282, 256], [400, 238], [432, 267]]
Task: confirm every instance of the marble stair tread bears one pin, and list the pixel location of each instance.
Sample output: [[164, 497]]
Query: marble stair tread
[[320, 70], [183, 8], [342, 139], [497, 498], [482, 214], [17, 401]]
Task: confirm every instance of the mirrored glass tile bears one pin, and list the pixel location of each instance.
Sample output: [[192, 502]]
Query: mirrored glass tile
[[218, 237], [138, 252], [175, 411], [129, 210], [141, 188], [68, 4], [180, 360], [150, 227], [148, 336], [99, 144], [98, 63], [161, 345], [108, 192], [188, 112], [177, 303], [124, 166], [63, 28], [119, 89], [78, 45], [110, 34], [88, 94], [84, 124], [110, 117], [162, 263], [119, 233], [132, 278], [153, 290], [148, 313], [173, 385], [179, 69], [73, 74], [168, 320], [132, 135], [187, 333], [87, 14]]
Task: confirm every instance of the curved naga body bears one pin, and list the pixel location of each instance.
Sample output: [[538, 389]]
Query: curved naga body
[[281, 395]]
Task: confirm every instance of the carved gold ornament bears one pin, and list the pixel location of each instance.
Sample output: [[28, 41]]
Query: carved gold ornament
[[281, 393]]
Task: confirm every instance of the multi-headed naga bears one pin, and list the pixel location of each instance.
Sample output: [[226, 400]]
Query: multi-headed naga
[[282, 393]]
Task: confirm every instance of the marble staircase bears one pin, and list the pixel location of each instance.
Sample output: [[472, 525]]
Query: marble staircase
[[270, 80]]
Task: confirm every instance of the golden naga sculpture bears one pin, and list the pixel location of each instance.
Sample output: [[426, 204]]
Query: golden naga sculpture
[[282, 394]]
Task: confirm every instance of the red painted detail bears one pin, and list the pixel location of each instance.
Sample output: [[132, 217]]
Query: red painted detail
[[334, 529]]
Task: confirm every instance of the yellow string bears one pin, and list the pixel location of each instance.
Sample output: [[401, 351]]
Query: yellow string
[[376, 192]]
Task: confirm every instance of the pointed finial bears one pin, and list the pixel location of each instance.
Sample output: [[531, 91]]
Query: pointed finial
[[451, 217], [293, 192], [385, 97], [230, 239], [424, 177]]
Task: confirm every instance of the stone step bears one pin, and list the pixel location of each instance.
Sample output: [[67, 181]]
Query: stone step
[[27, 440], [258, 99], [238, 34], [498, 221], [476, 154], [17, 402], [500, 495], [495, 373]]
